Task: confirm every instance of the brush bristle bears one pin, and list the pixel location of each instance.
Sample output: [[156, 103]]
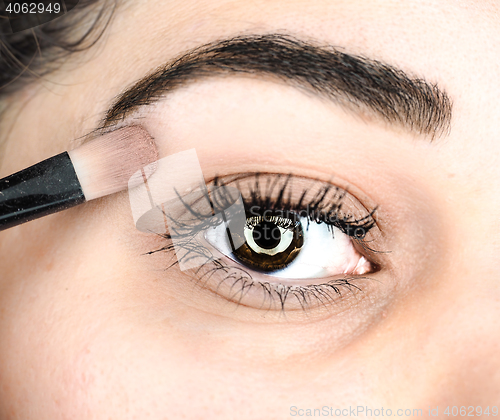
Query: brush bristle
[[105, 165]]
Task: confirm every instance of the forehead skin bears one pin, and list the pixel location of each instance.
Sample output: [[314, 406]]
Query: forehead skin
[[424, 38], [74, 345]]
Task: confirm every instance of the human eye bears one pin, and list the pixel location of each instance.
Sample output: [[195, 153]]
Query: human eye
[[274, 241], [293, 242]]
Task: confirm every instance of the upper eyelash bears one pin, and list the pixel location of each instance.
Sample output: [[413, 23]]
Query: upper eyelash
[[327, 201], [318, 210]]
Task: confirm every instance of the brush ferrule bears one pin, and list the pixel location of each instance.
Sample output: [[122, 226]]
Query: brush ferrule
[[45, 188]]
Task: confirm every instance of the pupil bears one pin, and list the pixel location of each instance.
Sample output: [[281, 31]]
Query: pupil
[[267, 235]]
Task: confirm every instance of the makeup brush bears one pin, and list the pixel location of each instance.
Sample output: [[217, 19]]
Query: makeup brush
[[101, 167]]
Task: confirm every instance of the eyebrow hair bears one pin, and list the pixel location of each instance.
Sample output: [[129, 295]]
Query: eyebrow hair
[[354, 82]]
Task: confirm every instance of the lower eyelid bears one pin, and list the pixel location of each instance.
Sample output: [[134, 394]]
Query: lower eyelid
[[235, 285], [221, 283]]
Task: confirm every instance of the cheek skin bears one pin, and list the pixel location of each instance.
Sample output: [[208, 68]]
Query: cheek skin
[[87, 327], [79, 338], [108, 340]]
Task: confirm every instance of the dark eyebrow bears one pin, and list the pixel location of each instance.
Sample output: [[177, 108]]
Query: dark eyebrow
[[354, 82]]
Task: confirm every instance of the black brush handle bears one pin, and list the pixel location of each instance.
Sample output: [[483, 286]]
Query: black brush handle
[[45, 188]]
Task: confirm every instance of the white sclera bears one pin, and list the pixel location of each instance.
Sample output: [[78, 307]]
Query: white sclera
[[322, 255]]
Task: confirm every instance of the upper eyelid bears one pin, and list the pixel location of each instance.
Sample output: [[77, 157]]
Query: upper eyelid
[[262, 187], [338, 192]]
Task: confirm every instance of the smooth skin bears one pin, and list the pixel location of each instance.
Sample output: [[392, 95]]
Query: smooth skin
[[92, 328]]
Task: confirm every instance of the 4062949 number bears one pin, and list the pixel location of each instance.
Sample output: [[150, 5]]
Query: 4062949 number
[[471, 411], [35, 8]]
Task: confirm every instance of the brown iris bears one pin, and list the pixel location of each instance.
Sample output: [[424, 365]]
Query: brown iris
[[271, 242]]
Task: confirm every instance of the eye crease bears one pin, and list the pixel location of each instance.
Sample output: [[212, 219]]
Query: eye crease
[[301, 238]]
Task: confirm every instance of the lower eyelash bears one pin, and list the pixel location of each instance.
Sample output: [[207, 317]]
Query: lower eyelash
[[242, 281]]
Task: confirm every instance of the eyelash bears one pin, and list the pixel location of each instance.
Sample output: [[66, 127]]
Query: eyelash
[[317, 209], [325, 206]]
